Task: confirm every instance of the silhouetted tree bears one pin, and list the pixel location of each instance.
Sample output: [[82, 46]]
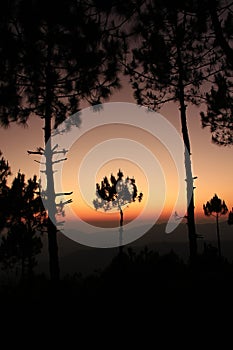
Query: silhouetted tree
[[221, 16], [230, 217], [63, 54], [116, 194], [170, 63], [25, 219], [5, 171], [218, 116], [22, 219], [220, 111], [216, 207], [19, 248]]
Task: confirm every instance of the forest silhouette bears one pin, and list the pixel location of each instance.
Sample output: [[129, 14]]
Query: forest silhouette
[[69, 53]]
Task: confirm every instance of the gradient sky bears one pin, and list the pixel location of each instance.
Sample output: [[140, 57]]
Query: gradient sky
[[212, 164]]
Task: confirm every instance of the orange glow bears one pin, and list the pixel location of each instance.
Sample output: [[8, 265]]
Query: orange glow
[[212, 164], [82, 198]]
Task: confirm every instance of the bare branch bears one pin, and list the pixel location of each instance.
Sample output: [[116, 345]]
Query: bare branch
[[63, 194], [35, 152], [59, 160]]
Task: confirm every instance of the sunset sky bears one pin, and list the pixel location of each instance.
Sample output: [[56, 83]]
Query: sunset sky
[[212, 164]]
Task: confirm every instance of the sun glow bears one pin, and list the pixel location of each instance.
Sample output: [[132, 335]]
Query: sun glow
[[165, 184]]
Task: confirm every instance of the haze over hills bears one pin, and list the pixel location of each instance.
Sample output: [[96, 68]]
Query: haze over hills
[[77, 258]]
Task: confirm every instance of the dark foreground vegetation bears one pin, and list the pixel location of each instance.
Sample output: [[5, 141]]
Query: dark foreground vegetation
[[146, 282]]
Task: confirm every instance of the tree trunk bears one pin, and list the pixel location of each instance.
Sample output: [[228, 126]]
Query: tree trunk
[[218, 237], [189, 180], [121, 231], [52, 230], [188, 166]]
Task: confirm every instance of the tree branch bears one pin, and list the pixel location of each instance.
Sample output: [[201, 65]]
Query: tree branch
[[219, 32]]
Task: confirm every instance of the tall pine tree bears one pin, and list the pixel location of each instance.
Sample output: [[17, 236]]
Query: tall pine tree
[[62, 54], [169, 63]]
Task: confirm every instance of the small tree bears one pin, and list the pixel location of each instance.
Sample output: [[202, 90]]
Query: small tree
[[230, 217], [216, 207], [116, 194]]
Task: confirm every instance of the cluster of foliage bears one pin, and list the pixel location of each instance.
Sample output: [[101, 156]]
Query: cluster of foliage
[[23, 218], [219, 101], [215, 205], [116, 193]]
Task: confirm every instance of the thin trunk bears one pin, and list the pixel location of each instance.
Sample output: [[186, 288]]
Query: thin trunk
[[121, 231], [218, 237], [52, 230], [188, 166]]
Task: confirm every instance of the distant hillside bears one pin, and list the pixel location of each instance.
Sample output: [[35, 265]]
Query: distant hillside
[[75, 257]]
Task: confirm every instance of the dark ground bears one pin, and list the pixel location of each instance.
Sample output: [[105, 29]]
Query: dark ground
[[140, 287]]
